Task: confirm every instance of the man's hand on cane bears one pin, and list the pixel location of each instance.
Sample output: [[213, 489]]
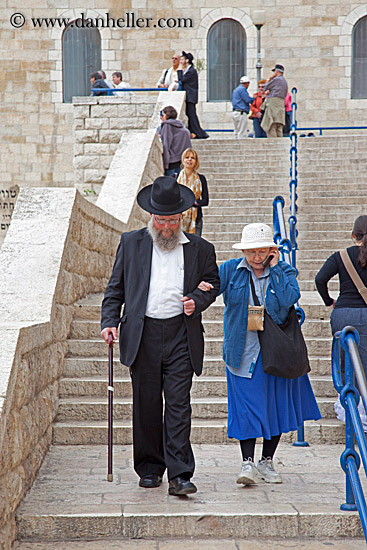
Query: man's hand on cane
[[106, 331]]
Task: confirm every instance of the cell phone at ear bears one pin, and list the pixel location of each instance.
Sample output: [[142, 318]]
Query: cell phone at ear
[[267, 260]]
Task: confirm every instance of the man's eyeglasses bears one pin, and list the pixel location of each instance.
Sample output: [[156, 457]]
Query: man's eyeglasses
[[160, 113], [172, 221], [174, 57]]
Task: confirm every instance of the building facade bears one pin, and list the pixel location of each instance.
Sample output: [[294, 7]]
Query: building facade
[[48, 52]]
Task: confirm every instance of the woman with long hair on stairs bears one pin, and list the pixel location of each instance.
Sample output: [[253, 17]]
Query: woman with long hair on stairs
[[259, 404], [192, 219], [350, 307]]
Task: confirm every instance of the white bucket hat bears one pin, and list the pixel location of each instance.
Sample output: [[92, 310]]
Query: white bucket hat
[[255, 235]]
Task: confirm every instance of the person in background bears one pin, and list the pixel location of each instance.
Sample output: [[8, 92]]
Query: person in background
[[175, 139], [192, 219], [288, 115], [118, 83], [241, 101], [276, 89], [104, 78], [188, 77], [259, 404], [169, 76], [349, 308], [97, 82], [256, 112]]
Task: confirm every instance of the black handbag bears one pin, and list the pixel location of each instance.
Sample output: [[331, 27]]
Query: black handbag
[[283, 348]]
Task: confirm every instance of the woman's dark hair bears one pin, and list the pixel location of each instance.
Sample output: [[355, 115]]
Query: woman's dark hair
[[360, 233], [170, 112]]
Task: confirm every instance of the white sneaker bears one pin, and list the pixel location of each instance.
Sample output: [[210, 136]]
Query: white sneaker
[[248, 474], [266, 470]]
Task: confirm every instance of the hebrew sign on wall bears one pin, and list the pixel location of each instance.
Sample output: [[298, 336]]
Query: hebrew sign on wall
[[8, 197]]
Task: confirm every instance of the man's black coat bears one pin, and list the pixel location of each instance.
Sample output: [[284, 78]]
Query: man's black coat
[[190, 84], [129, 285]]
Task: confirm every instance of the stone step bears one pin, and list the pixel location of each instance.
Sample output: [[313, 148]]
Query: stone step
[[310, 285], [89, 408], [240, 206], [328, 431], [336, 218], [213, 347], [307, 504], [227, 192], [310, 302], [165, 543], [89, 367], [204, 386], [304, 237], [81, 329], [303, 246]]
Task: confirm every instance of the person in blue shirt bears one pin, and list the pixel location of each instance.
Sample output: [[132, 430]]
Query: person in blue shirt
[[259, 404], [241, 101]]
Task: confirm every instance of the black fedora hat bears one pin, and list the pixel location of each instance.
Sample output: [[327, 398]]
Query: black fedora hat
[[165, 197]]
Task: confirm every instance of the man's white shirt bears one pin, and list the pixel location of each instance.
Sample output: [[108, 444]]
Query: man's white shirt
[[166, 282]]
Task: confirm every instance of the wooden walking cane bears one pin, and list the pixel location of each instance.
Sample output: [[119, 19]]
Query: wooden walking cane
[[110, 406]]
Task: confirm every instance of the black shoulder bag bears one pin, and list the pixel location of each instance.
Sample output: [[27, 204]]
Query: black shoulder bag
[[283, 348]]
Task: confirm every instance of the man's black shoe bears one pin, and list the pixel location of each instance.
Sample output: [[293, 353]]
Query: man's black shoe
[[179, 486], [150, 481]]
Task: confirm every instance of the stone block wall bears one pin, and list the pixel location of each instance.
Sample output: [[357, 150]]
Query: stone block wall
[[313, 40], [99, 123], [59, 248]]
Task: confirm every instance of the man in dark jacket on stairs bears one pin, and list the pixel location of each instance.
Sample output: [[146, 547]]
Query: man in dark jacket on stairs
[[156, 277]]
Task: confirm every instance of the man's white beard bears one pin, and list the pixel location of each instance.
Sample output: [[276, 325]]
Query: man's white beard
[[167, 244]]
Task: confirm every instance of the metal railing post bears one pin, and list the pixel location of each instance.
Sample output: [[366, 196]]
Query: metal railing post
[[350, 460]]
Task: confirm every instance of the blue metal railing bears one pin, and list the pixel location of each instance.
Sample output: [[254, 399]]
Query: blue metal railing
[[321, 128], [350, 364], [288, 247], [111, 91]]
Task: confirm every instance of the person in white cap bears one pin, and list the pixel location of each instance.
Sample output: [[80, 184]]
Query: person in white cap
[[259, 404], [241, 101]]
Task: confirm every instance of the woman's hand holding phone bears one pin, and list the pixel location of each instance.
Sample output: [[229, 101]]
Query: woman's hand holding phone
[[272, 258]]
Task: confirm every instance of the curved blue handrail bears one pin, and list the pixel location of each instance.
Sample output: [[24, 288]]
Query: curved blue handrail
[[350, 364], [288, 247]]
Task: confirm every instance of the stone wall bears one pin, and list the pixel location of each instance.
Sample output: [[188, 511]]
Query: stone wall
[[99, 123], [58, 249]]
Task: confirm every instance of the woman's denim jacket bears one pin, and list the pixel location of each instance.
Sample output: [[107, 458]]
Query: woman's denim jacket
[[282, 292]]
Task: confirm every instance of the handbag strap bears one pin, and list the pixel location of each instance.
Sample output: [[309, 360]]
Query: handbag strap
[[353, 274], [254, 295]]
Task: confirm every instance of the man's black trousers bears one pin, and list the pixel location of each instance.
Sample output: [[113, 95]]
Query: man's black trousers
[[162, 365]]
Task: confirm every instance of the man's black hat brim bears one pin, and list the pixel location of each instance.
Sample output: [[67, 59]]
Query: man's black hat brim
[[165, 202]]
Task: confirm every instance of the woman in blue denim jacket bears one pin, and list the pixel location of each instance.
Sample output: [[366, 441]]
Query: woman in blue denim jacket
[[259, 405]]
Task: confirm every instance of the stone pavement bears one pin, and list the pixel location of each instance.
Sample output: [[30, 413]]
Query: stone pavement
[[71, 499]]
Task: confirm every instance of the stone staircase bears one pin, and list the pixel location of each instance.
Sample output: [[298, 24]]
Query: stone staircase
[[243, 177]]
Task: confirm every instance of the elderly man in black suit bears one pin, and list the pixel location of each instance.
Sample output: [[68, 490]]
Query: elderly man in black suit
[[188, 77], [156, 275]]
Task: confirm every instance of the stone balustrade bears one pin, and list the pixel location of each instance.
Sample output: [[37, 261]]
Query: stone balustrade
[[58, 249], [104, 126], [99, 123]]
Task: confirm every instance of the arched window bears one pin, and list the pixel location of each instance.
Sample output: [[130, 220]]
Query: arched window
[[81, 56], [359, 59], [226, 58]]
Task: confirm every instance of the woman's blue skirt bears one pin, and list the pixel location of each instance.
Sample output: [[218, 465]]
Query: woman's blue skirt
[[265, 405]]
